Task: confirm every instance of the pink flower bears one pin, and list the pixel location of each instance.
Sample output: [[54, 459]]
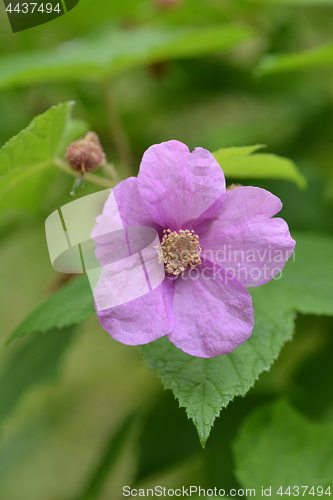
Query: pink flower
[[214, 244]]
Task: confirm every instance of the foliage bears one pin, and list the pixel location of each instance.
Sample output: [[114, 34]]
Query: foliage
[[311, 58], [237, 163], [38, 359], [291, 451], [116, 50], [74, 403]]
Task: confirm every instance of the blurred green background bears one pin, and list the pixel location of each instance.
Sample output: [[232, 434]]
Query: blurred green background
[[63, 403]]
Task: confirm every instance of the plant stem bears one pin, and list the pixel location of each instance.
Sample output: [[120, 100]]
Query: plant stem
[[117, 130], [95, 179]]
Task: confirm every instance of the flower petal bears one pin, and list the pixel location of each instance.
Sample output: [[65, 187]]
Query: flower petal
[[142, 320], [177, 186], [124, 207], [243, 238], [213, 313]]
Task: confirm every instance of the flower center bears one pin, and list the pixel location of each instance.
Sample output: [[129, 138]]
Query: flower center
[[178, 250]]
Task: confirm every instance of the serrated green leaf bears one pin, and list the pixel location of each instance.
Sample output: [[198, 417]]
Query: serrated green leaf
[[277, 446], [70, 305], [311, 58], [114, 50], [204, 386], [36, 361], [27, 158], [239, 163]]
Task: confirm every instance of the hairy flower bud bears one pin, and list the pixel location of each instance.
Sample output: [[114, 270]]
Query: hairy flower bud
[[86, 154]]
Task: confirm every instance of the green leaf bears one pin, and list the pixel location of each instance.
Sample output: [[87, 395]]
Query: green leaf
[[224, 154], [306, 285], [239, 163], [69, 306], [114, 50], [36, 360], [25, 160], [306, 59], [204, 386], [278, 446]]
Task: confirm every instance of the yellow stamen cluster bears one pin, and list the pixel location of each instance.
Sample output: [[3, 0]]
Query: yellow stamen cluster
[[179, 250]]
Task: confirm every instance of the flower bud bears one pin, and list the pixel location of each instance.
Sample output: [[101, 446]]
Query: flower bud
[[86, 154]]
